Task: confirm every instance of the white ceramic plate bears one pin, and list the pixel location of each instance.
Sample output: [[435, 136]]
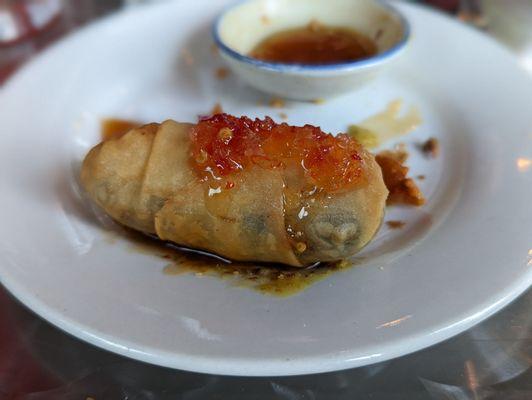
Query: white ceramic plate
[[460, 258]]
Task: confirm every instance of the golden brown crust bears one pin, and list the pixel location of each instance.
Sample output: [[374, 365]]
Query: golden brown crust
[[144, 181]]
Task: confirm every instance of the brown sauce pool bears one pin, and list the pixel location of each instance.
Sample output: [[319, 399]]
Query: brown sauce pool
[[114, 128], [271, 279], [315, 44]]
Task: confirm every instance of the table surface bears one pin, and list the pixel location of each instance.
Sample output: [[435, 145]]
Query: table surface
[[37, 361]]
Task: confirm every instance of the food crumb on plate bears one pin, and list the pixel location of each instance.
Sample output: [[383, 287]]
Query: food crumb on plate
[[395, 224], [283, 116], [431, 148], [221, 73], [403, 190], [277, 102]]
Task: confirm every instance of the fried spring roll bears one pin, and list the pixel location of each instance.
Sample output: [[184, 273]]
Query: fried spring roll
[[146, 180]]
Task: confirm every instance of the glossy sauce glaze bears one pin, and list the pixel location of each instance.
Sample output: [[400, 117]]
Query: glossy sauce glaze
[[223, 145], [270, 279], [315, 44]]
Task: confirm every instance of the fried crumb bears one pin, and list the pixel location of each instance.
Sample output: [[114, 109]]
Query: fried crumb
[[403, 190], [283, 116], [314, 25], [431, 148], [221, 73], [187, 56], [421, 177], [399, 154], [217, 109], [265, 19], [318, 101], [277, 102], [395, 224]]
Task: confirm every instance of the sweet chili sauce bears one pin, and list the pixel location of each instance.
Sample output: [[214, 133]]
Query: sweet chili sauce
[[223, 145]]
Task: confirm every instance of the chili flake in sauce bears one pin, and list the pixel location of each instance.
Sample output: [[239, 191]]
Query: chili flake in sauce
[[223, 145]]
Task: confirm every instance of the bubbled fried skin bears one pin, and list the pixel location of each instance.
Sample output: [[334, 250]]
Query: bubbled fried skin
[[145, 181]]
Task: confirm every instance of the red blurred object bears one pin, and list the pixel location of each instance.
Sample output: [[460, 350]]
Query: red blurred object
[[451, 6], [20, 19], [20, 371], [28, 26]]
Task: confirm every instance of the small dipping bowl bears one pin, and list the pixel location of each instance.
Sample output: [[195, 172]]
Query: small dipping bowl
[[244, 25]]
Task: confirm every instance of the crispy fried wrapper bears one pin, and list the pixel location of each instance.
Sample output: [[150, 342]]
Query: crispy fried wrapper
[[145, 181]]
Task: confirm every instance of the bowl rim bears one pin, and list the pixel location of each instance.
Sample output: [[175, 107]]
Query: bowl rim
[[379, 58]]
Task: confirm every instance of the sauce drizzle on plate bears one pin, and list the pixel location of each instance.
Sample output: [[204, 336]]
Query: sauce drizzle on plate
[[269, 279], [115, 128]]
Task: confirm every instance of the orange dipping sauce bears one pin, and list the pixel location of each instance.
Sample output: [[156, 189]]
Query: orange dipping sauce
[[223, 145], [114, 128], [315, 44]]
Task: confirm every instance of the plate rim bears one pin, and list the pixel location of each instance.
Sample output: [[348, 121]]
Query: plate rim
[[237, 366], [259, 368]]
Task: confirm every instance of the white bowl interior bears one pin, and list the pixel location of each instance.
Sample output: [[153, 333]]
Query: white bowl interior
[[242, 27]]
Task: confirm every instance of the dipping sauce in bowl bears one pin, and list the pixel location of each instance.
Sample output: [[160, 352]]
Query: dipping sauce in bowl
[[315, 44], [310, 49]]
